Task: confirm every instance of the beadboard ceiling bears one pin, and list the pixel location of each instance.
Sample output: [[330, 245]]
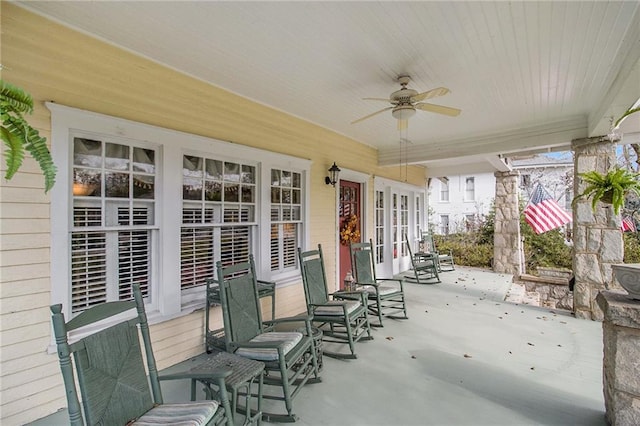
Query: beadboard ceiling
[[528, 76]]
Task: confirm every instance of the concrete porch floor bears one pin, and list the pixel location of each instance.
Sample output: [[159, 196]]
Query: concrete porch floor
[[464, 357]]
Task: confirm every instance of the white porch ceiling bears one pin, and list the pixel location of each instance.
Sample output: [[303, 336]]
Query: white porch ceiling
[[528, 76]]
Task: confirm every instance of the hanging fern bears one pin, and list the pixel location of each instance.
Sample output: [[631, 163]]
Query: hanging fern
[[19, 136], [611, 187]]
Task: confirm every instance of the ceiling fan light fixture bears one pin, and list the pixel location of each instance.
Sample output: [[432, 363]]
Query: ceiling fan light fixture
[[403, 112]]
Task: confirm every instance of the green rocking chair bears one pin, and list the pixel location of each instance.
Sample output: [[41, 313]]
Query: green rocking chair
[[341, 320], [289, 356], [111, 375], [424, 267], [385, 296], [444, 260]]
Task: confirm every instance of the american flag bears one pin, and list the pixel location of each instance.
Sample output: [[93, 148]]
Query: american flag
[[628, 225], [543, 212]]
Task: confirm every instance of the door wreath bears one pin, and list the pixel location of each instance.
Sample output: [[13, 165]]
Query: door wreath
[[349, 232]]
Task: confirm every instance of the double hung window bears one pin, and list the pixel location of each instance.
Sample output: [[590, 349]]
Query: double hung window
[[470, 189], [112, 235], [218, 216], [286, 218], [444, 189]]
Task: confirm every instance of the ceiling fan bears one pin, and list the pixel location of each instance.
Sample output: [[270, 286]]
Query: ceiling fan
[[404, 103]]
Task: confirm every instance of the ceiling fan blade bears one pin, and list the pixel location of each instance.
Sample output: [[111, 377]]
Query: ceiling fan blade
[[439, 109], [403, 124], [377, 99], [440, 91], [371, 115]]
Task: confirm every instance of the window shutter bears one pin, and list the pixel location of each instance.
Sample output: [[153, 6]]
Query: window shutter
[[196, 256], [234, 245], [88, 270], [134, 264], [289, 244]]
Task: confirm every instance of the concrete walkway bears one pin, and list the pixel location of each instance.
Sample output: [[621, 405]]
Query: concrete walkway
[[464, 357]]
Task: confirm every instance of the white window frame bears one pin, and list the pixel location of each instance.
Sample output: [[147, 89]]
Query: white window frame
[[193, 295], [445, 228], [167, 300], [469, 188], [286, 271], [445, 190]]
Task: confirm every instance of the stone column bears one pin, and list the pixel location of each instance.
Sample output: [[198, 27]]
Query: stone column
[[597, 239], [621, 335], [507, 245]]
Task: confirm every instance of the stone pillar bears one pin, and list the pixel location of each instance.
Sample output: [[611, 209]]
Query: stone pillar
[[621, 334], [507, 245], [597, 239]]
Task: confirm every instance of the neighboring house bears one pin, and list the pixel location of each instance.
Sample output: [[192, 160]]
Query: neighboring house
[[459, 203], [554, 172]]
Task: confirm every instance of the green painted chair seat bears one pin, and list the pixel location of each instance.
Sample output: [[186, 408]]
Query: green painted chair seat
[[289, 341], [335, 307], [383, 290], [184, 414]]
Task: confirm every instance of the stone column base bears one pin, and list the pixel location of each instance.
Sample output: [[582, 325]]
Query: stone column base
[[621, 334]]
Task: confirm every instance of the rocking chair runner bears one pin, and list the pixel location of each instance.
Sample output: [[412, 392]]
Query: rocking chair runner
[[112, 378], [341, 320], [423, 265], [289, 357], [385, 296]]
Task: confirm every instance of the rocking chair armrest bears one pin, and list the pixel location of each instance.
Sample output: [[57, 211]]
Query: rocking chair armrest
[[350, 295], [399, 281], [298, 318], [319, 305], [358, 283], [218, 373]]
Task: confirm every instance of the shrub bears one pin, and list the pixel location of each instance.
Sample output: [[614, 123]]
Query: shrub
[[550, 249], [467, 248], [631, 247]]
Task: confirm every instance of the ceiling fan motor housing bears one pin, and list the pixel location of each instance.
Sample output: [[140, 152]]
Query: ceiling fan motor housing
[[402, 96], [403, 112]]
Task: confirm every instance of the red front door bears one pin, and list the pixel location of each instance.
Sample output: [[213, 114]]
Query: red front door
[[350, 221]]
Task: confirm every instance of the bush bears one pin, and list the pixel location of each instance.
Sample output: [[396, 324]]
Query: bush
[[548, 249], [467, 248], [475, 248], [631, 247]]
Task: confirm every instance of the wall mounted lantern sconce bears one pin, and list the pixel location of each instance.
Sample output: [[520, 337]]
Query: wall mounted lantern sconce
[[333, 175]]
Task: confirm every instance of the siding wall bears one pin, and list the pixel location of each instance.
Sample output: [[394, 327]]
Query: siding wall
[[54, 63]]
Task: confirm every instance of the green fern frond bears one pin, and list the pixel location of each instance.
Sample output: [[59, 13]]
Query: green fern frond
[[19, 136], [37, 147], [14, 99], [14, 155]]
